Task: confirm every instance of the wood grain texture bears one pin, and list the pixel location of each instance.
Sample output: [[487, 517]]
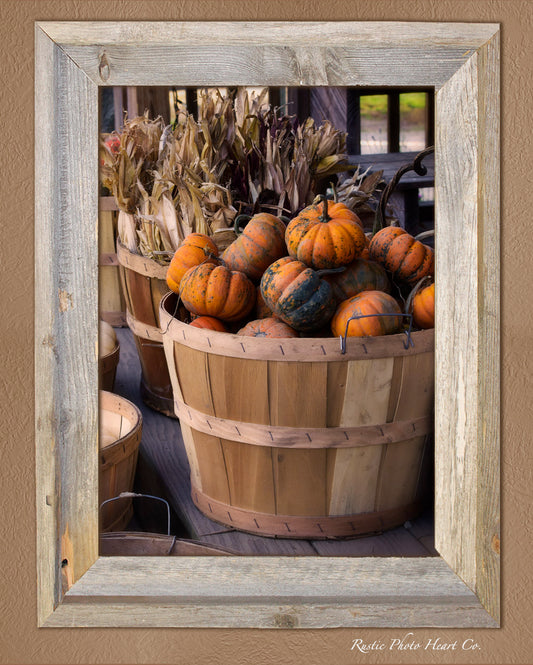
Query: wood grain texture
[[228, 591], [467, 326], [366, 398], [461, 61], [110, 294], [410, 54], [66, 321]]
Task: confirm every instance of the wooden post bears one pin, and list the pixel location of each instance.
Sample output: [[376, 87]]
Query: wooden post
[[393, 121], [111, 302]]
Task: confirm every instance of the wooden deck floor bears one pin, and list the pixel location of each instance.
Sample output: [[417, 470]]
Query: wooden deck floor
[[163, 471]]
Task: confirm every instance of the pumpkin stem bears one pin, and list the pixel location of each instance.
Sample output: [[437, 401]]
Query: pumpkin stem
[[238, 219], [324, 217], [209, 254], [422, 282]]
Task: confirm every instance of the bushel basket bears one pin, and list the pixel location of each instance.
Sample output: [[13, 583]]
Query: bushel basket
[[143, 285], [293, 438]]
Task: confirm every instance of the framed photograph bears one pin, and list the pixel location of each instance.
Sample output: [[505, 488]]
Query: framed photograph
[[76, 587]]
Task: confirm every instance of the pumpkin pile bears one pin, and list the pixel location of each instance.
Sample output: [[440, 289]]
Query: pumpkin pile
[[315, 274]]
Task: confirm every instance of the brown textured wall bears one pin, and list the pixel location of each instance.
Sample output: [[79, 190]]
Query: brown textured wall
[[20, 640]]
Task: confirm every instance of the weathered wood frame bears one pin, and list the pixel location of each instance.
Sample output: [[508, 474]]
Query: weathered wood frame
[[76, 588]]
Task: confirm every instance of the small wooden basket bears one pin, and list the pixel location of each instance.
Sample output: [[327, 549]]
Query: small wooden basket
[[120, 436], [107, 368]]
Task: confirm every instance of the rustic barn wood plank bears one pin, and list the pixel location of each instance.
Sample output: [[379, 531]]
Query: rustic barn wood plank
[[459, 60], [397, 542], [66, 313], [358, 592], [290, 53], [467, 343]]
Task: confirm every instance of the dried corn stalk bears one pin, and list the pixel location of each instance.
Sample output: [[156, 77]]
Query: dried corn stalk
[[358, 193], [195, 175]]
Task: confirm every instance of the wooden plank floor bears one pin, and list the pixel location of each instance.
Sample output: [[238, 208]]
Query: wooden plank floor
[[162, 451]]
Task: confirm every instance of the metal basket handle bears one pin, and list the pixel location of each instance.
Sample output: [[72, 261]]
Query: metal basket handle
[[408, 342], [133, 495]]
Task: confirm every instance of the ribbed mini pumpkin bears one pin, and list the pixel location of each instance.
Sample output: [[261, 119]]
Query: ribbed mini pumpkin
[[195, 249], [210, 290], [325, 235], [371, 304], [401, 254], [297, 295], [424, 307], [261, 243], [360, 275], [208, 323], [268, 327]]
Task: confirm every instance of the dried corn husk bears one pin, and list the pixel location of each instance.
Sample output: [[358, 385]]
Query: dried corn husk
[[197, 174], [358, 193], [127, 231]]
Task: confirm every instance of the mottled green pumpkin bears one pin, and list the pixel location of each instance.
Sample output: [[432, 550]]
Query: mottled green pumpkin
[[297, 294], [360, 275]]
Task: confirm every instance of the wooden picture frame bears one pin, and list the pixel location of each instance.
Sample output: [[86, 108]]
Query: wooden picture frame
[[76, 588]]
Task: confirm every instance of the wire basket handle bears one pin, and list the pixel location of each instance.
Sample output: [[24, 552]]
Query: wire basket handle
[[408, 342], [134, 495]]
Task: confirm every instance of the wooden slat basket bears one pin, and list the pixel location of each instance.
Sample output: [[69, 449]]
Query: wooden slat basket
[[133, 543], [292, 438], [107, 368], [120, 437], [143, 285]]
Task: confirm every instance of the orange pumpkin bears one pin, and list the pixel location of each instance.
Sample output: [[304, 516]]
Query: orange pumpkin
[[195, 249], [398, 252], [325, 235], [268, 327], [261, 243], [208, 323], [297, 295], [370, 304], [424, 307], [210, 290], [360, 275]]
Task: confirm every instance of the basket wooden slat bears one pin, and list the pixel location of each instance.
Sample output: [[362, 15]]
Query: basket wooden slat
[[107, 369]]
